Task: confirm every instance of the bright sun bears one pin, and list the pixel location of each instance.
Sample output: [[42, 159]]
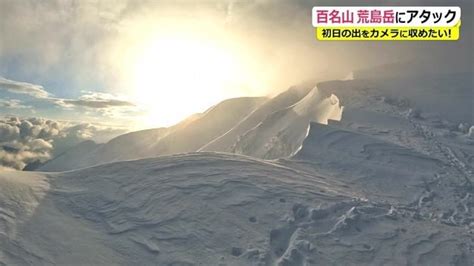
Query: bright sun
[[176, 77]]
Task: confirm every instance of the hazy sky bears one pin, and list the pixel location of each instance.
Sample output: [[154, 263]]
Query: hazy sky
[[151, 63]]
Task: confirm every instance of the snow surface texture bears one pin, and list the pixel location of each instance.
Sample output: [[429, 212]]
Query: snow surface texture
[[211, 209]]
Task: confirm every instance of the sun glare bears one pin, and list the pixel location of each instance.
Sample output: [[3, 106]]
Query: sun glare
[[176, 77]]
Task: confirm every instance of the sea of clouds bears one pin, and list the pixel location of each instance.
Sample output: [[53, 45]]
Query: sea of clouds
[[25, 141]]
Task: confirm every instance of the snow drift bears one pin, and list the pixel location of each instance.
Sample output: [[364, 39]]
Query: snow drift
[[282, 101], [379, 168], [281, 133], [209, 209]]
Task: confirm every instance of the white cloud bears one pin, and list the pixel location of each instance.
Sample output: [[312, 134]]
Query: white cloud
[[13, 104], [89, 100], [8, 132], [97, 103], [99, 100], [24, 141], [40, 145], [36, 91]]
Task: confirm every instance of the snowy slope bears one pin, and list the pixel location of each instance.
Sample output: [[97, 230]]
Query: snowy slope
[[127, 146], [282, 101], [379, 168], [447, 96], [212, 124], [390, 147], [281, 133], [70, 159], [210, 209]]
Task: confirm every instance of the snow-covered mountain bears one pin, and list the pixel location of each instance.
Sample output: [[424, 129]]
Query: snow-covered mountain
[[273, 128], [361, 172], [187, 136]]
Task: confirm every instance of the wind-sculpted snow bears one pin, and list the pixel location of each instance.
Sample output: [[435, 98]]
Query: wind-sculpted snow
[[281, 133], [211, 209], [382, 168], [359, 233], [20, 195], [282, 101], [448, 96]]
